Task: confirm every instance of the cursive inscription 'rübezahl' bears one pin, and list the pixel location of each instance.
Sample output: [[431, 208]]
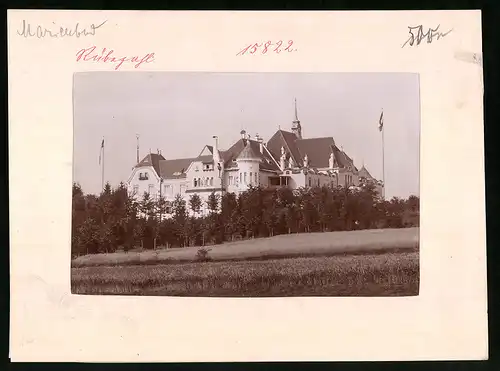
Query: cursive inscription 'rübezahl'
[[417, 35], [38, 31]]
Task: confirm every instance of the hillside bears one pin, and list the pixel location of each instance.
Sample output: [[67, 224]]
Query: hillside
[[282, 246]]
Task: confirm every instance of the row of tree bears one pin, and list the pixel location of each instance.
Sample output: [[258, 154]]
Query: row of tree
[[117, 220]]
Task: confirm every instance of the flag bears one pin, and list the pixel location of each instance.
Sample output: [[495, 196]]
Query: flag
[[100, 150], [381, 121]]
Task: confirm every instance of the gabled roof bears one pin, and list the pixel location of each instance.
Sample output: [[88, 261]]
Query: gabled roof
[[210, 151], [318, 151], [152, 159], [267, 162], [287, 140], [175, 169], [363, 173], [247, 153]]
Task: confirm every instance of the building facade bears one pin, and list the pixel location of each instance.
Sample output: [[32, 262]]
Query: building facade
[[286, 160]]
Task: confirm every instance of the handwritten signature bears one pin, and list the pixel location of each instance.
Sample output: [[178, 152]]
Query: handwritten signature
[[417, 35], [41, 32], [268, 46], [89, 54]]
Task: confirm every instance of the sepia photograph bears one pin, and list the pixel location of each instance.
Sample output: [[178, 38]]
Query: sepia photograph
[[245, 184]]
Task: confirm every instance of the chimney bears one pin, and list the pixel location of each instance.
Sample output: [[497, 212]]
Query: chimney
[[261, 143], [215, 153], [243, 134]]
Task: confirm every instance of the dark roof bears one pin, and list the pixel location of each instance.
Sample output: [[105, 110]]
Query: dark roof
[[286, 140], [318, 150], [170, 167], [152, 159], [248, 153], [363, 173], [232, 153], [342, 159]]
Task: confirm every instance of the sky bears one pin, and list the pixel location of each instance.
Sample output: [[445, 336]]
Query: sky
[[180, 112]]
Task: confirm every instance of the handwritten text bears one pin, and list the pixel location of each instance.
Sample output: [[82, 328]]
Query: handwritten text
[[40, 32], [268, 46], [105, 56], [417, 35]]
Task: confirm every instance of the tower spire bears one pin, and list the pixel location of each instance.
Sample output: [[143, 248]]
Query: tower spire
[[296, 115], [296, 127]]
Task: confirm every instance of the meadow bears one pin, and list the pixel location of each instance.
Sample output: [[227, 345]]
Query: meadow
[[389, 274], [282, 246], [354, 263]]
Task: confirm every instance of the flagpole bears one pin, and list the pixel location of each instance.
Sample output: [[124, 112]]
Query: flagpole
[[383, 164], [102, 175]]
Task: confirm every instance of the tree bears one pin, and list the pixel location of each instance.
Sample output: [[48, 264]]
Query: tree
[[180, 217], [229, 214], [213, 202], [195, 203], [147, 205], [270, 211]]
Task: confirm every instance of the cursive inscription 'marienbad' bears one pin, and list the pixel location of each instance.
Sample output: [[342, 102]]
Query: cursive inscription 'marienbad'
[[28, 30]]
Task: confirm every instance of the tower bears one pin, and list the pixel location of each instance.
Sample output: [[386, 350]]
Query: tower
[[296, 128]]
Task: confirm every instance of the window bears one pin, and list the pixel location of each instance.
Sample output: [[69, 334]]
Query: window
[[241, 174], [151, 189], [256, 179], [195, 183], [211, 181], [230, 180], [250, 178], [169, 189], [168, 207], [310, 182], [136, 189], [245, 177]]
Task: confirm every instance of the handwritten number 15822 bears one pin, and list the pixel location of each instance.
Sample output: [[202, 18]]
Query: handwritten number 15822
[[266, 47]]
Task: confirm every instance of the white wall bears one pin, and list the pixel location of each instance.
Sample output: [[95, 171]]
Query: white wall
[[140, 186], [197, 171], [172, 187]]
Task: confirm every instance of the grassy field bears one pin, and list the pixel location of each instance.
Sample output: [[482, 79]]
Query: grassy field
[[283, 246], [360, 263], [388, 274]]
